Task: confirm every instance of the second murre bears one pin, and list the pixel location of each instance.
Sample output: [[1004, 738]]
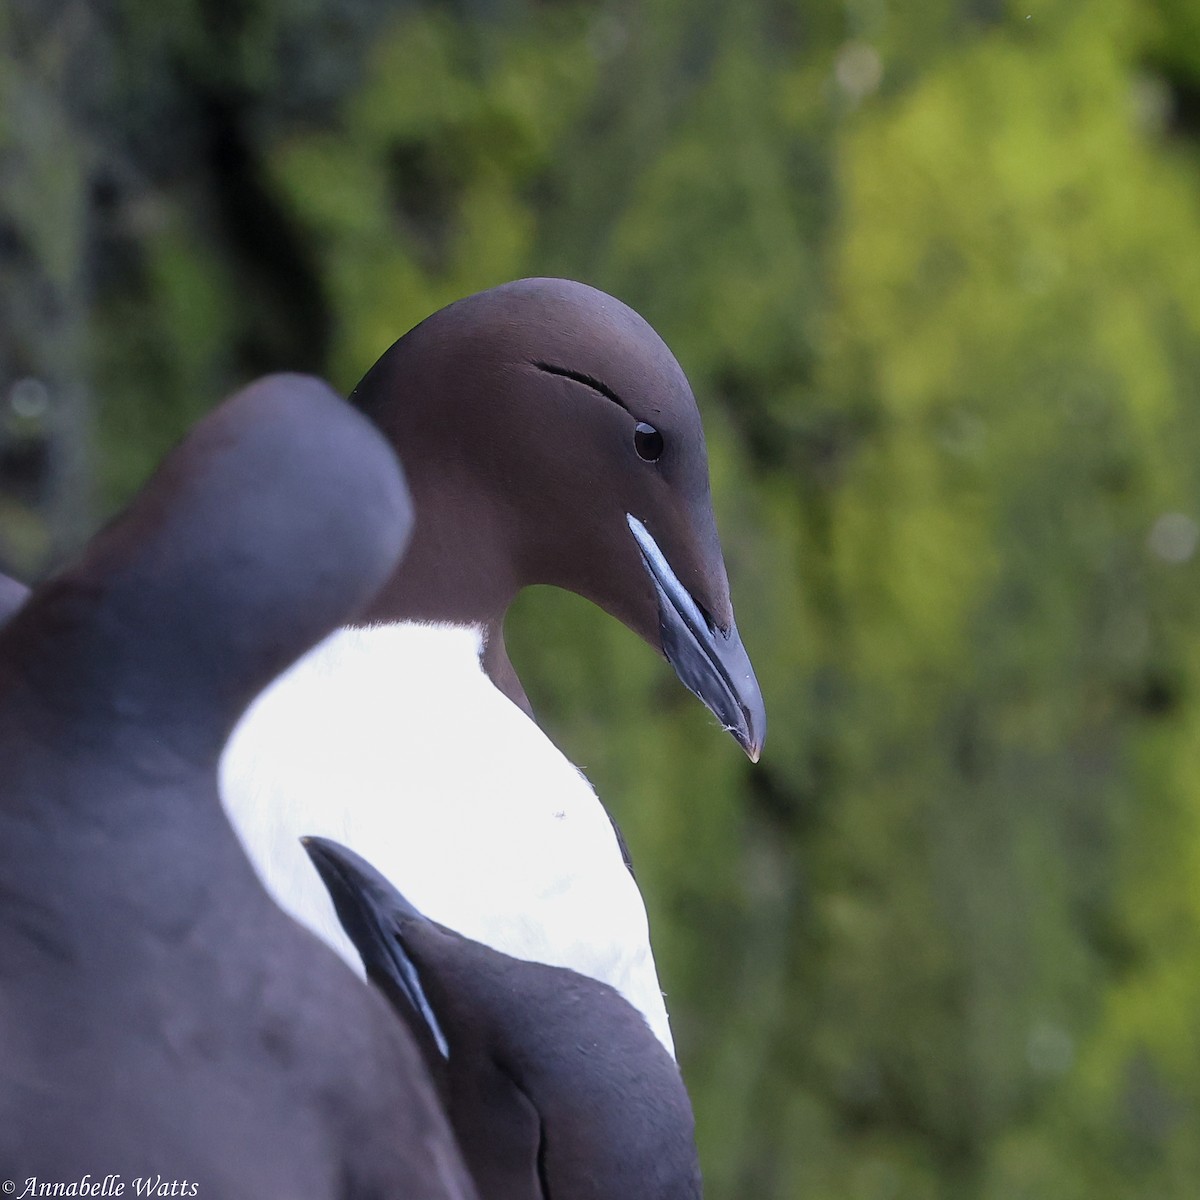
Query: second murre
[[549, 437]]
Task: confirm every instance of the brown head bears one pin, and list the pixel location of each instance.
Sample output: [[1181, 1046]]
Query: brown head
[[549, 436]]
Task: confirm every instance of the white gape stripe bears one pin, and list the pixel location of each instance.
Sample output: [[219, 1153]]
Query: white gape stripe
[[393, 741]]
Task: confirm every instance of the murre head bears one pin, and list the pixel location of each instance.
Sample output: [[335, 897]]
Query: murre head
[[550, 437], [160, 1013], [555, 1085], [278, 513]]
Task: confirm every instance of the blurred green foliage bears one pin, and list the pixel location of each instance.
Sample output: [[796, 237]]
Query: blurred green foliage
[[934, 272]]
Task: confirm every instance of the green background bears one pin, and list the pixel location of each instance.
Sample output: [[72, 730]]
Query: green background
[[934, 272]]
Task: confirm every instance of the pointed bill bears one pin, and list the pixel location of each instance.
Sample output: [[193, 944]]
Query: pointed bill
[[712, 663]]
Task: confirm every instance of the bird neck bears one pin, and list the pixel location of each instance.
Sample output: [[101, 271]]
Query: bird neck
[[499, 669], [460, 569], [448, 577]]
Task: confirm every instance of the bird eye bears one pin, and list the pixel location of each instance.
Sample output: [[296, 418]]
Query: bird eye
[[647, 441]]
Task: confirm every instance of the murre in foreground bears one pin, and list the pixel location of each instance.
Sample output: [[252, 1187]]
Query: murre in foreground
[[554, 1083], [549, 437], [159, 1015]]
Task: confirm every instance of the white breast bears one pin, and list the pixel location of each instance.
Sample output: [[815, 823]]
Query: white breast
[[394, 742]]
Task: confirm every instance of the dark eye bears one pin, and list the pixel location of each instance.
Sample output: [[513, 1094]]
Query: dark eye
[[647, 441]]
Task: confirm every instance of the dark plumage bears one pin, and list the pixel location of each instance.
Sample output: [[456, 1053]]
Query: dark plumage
[[549, 437], [158, 1013], [535, 419], [12, 596], [555, 1085]]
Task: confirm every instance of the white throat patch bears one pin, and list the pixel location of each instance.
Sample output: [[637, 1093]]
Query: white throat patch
[[393, 741]]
